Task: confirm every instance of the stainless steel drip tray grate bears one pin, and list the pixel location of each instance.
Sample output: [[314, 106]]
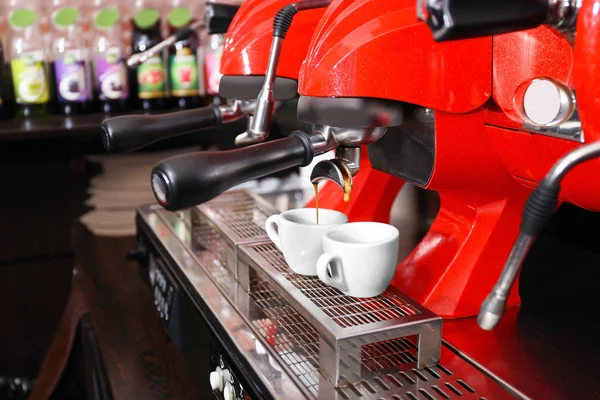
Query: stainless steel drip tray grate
[[349, 329], [240, 214], [387, 367], [228, 221]]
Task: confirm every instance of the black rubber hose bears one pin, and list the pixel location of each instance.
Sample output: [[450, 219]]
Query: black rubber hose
[[540, 207], [283, 20], [132, 132], [190, 179]]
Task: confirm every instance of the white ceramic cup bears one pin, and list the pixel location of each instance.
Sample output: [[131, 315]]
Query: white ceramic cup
[[297, 235], [360, 258]]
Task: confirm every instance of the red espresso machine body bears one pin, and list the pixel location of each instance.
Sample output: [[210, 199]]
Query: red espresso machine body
[[250, 34], [246, 50], [484, 162]]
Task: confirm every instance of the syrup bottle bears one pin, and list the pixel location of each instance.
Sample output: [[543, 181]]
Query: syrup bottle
[[111, 87], [71, 65], [212, 66], [150, 77], [29, 66], [183, 61]]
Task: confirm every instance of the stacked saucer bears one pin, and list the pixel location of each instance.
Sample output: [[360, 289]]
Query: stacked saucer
[[123, 185]]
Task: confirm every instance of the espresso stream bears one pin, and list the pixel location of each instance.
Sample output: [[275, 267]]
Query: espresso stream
[[347, 191]]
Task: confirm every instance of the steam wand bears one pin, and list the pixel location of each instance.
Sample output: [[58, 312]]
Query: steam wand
[[259, 123], [539, 208]]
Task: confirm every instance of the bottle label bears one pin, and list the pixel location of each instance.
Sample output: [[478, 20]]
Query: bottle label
[[213, 74], [184, 73], [111, 75], [71, 77], [151, 79], [30, 78]]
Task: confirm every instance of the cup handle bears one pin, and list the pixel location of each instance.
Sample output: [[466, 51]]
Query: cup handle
[[335, 279], [270, 226]]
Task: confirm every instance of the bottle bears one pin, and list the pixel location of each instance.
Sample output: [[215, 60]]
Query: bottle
[[29, 65], [212, 66], [150, 77], [71, 61], [111, 87], [183, 61]]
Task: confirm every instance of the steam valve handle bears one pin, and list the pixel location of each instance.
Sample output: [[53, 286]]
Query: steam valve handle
[[465, 19], [132, 132], [190, 179]]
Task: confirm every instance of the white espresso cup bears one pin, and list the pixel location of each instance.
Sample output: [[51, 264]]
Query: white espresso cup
[[360, 258], [297, 235]]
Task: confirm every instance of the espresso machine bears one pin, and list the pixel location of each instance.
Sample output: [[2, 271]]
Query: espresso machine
[[474, 101]]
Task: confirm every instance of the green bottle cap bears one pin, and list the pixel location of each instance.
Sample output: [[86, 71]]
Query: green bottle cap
[[65, 17], [106, 18], [22, 18], [179, 17], [146, 17]]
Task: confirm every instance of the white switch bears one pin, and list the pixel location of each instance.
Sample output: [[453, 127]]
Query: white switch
[[229, 392], [547, 103], [216, 379]]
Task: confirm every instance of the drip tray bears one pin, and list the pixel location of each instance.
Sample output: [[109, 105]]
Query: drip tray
[[388, 368], [348, 329]]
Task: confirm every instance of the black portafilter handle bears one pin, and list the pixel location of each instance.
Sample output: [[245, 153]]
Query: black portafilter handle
[[132, 132], [190, 179], [467, 19]]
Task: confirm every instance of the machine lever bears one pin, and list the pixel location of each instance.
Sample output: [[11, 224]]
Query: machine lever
[[190, 179], [466, 19], [132, 132], [539, 208]]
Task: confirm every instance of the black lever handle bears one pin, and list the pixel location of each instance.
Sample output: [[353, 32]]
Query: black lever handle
[[466, 19], [132, 132], [190, 179]]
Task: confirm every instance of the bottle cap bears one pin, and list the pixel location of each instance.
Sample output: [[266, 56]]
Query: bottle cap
[[22, 18], [106, 18], [65, 17], [179, 17], [146, 17]]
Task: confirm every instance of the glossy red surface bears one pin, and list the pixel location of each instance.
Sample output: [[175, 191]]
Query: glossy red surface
[[587, 67], [366, 48], [248, 41], [369, 184], [455, 265], [543, 53], [522, 56]]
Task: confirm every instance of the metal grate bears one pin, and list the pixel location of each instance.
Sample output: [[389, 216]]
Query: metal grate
[[344, 310], [386, 365], [205, 237], [244, 214], [294, 340]]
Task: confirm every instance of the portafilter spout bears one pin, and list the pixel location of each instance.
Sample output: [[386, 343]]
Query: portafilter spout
[[339, 170]]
